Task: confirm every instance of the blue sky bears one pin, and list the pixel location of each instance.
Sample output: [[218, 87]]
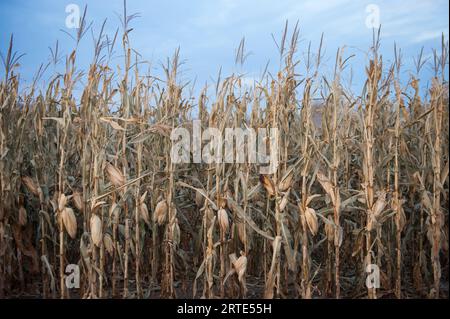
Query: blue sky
[[208, 32]]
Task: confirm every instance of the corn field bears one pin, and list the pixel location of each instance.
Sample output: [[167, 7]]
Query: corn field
[[88, 180]]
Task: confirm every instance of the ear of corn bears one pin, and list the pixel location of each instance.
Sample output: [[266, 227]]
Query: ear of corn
[[70, 221]]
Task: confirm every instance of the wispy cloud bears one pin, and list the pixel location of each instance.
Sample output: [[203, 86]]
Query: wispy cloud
[[215, 14], [416, 22], [429, 35], [312, 9]]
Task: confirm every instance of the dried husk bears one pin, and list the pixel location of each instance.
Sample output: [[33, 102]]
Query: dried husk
[[30, 185], [240, 265], [62, 201], [222, 203], [222, 217], [268, 184], [380, 204], [286, 181], [327, 186], [78, 200], [115, 175], [144, 213], [108, 243], [311, 220], [161, 212], [96, 230], [69, 221]]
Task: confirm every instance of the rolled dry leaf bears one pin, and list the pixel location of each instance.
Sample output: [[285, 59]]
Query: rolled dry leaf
[[268, 184], [69, 221], [270, 282], [108, 243], [22, 216], [115, 175], [160, 214], [78, 200], [113, 124], [30, 185], [222, 217], [144, 213], [311, 220], [96, 230]]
